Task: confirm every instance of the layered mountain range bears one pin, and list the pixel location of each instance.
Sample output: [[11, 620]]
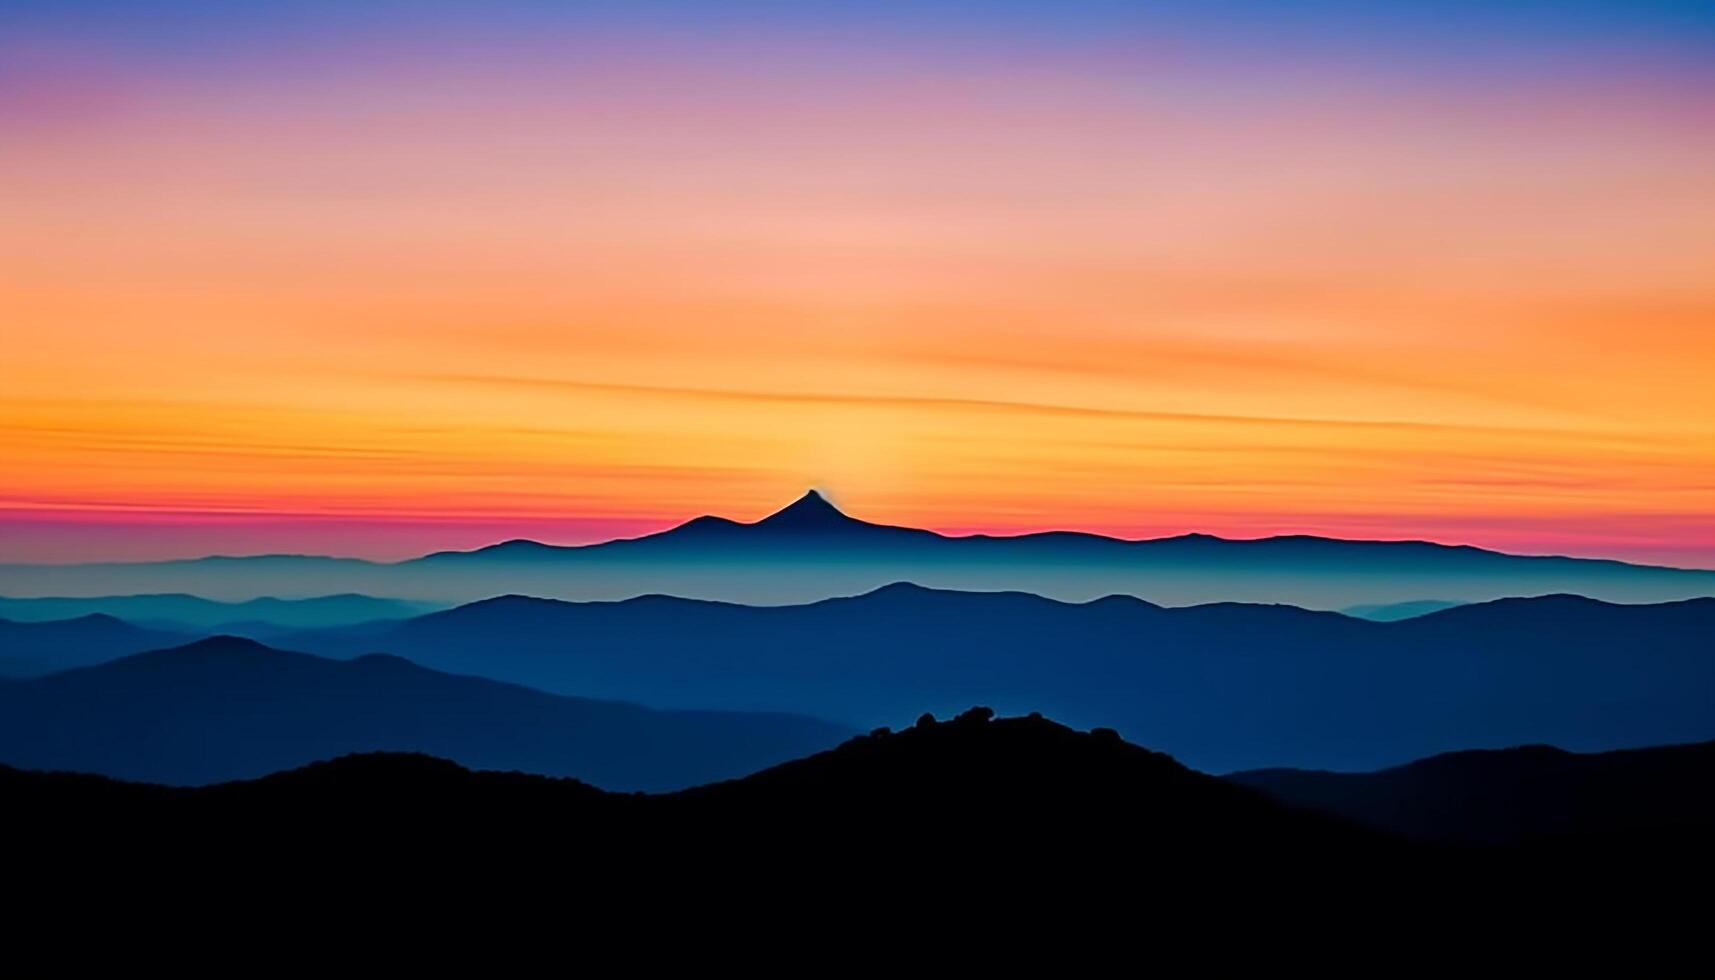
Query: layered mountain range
[[721, 662], [1223, 686], [810, 550], [227, 708]]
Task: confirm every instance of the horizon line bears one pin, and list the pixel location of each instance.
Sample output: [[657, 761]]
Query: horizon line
[[819, 492]]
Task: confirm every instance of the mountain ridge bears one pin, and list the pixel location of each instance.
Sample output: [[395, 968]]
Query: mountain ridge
[[182, 611], [227, 707], [1299, 686], [976, 797], [913, 589], [967, 779], [837, 517], [29, 649], [811, 550]]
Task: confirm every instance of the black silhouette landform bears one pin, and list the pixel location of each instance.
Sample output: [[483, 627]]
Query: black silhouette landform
[[1533, 795], [1013, 809]]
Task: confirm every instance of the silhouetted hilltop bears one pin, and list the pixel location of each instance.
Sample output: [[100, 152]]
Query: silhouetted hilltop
[[1019, 793], [810, 522], [1019, 818], [1534, 794], [978, 785], [812, 514], [227, 708]]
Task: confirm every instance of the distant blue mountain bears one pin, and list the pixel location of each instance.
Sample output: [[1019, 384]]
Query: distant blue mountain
[[810, 550], [29, 649], [227, 708], [1222, 687], [1394, 611], [186, 613]]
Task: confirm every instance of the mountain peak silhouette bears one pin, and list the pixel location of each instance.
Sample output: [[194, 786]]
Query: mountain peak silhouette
[[812, 511]]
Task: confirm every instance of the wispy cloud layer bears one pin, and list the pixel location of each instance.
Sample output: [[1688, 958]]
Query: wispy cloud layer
[[1390, 269]]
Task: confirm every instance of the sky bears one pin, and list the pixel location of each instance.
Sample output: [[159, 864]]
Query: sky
[[380, 279]]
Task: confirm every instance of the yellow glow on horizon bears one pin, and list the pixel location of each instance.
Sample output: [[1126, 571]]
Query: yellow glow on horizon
[[958, 313]]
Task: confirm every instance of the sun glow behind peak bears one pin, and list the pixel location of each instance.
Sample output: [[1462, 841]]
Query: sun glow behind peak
[[308, 278]]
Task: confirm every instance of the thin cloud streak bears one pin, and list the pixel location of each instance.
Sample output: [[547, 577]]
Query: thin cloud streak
[[917, 401]]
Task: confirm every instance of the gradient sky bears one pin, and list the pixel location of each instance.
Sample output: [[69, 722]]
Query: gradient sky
[[378, 279]]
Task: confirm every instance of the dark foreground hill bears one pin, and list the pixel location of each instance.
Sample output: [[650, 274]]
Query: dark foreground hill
[[1015, 795], [227, 708], [1534, 795], [1017, 817]]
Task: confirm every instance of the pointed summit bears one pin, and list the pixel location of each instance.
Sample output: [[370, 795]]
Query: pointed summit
[[809, 512], [811, 521]]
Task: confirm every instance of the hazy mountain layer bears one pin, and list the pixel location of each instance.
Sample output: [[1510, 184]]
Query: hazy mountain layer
[[1222, 687], [811, 551], [227, 708], [29, 649], [178, 611], [1393, 611]]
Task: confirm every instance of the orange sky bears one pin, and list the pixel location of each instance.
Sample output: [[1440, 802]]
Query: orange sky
[[476, 298]]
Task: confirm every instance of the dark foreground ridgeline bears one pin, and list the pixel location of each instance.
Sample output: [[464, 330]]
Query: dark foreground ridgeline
[[1023, 796], [1534, 796], [971, 800]]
